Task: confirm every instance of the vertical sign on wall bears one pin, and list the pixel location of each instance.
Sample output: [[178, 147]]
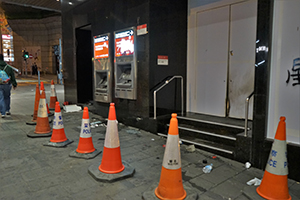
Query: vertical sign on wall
[[8, 52]]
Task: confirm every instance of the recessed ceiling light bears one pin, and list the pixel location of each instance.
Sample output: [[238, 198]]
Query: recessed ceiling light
[[70, 3]]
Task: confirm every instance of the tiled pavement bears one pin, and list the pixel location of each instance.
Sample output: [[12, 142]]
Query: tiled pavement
[[29, 170]]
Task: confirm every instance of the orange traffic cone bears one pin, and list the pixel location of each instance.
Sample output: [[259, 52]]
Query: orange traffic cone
[[43, 89], [112, 168], [53, 96], [111, 159], [42, 128], [36, 105], [85, 148], [274, 184], [58, 138], [170, 185]]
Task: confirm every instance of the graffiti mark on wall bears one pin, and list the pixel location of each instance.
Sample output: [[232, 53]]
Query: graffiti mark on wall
[[295, 73]]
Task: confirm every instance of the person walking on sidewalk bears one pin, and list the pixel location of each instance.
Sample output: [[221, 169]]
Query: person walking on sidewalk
[[5, 88]]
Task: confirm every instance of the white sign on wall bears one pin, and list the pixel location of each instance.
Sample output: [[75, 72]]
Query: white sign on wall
[[162, 60], [142, 29]]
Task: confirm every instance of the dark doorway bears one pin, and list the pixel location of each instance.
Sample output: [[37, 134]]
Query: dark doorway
[[84, 66]]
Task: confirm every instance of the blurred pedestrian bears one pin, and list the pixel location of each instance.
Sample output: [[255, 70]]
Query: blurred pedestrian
[[5, 88], [34, 69]]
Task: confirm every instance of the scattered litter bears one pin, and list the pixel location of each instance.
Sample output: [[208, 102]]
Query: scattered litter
[[164, 145], [254, 181], [157, 157], [180, 142], [133, 131], [214, 157], [72, 108], [152, 139], [138, 119], [247, 165], [95, 124], [191, 148], [207, 169], [133, 128], [204, 161]]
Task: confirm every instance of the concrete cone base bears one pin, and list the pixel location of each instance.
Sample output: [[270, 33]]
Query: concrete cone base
[[75, 154], [34, 123], [103, 177], [32, 134], [191, 194], [58, 144]]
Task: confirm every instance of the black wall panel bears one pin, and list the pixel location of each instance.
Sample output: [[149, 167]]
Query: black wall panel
[[167, 35]]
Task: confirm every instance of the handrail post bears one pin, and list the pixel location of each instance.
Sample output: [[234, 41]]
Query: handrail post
[[166, 83], [246, 116], [246, 113], [154, 96], [181, 95]]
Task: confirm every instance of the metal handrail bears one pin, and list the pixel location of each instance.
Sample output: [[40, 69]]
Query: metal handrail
[[166, 83], [246, 113]]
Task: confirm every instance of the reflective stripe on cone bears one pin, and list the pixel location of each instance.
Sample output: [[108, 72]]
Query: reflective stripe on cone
[[42, 124], [274, 184], [85, 144], [170, 185], [111, 162]]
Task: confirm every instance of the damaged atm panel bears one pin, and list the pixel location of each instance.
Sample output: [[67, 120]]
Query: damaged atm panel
[[125, 64]]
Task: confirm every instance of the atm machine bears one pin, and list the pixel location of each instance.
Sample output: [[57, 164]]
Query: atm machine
[[102, 69], [125, 64]]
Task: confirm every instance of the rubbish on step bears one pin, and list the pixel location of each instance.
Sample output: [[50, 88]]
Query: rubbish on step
[[191, 148], [254, 182], [247, 165]]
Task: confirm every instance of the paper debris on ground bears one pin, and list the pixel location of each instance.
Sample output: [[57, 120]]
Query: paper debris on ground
[[191, 148], [254, 182], [71, 108]]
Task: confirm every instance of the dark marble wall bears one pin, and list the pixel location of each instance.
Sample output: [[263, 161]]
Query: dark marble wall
[[261, 84], [167, 35], [68, 56]]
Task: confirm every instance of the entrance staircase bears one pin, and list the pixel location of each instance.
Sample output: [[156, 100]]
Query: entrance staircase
[[217, 135]]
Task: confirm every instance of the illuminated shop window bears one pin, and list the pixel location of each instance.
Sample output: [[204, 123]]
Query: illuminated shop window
[[8, 48]]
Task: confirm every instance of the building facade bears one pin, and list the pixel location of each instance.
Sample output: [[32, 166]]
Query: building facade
[[224, 50]]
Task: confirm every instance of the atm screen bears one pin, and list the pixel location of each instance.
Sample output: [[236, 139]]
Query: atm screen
[[124, 43], [100, 47]]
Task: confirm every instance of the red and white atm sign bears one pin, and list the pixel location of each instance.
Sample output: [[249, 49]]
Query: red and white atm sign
[[101, 47], [162, 60], [142, 29]]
